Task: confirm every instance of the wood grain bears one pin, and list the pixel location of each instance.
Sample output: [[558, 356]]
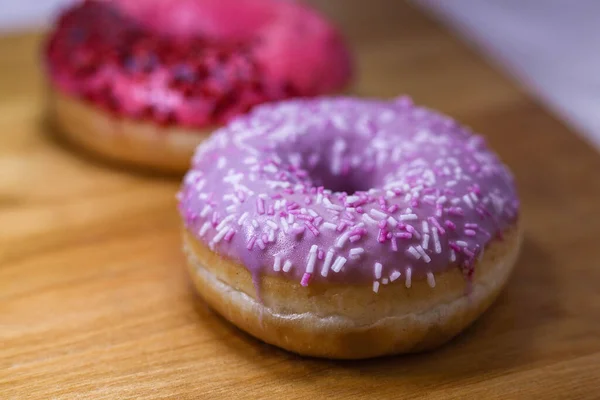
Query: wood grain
[[94, 301]]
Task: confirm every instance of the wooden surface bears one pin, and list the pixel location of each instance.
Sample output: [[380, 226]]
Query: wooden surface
[[94, 301]]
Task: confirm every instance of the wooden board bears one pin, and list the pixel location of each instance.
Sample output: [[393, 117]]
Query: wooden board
[[94, 301]]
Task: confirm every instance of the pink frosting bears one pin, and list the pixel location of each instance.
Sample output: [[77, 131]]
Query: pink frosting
[[284, 46]]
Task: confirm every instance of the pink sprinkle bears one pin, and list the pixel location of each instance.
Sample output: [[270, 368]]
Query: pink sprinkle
[[342, 225], [260, 205], [456, 211], [414, 203], [293, 205], [305, 217], [320, 254], [354, 238], [271, 210], [382, 223], [437, 225], [250, 244], [429, 201], [450, 225], [276, 196], [312, 228], [455, 247], [381, 236], [389, 235], [438, 211], [229, 235], [215, 219], [265, 238], [428, 190], [307, 200], [470, 232], [468, 252], [318, 220], [403, 235], [392, 208], [360, 210], [305, 279], [394, 244]]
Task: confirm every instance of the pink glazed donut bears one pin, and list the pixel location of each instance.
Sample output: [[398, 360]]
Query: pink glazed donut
[[145, 81], [348, 228]]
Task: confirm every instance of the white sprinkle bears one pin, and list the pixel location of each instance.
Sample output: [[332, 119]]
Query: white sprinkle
[[231, 208], [291, 218], [425, 226], [441, 200], [461, 243], [250, 160], [327, 263], [312, 258], [221, 163], [276, 184], [352, 199], [395, 275], [377, 268], [287, 266], [217, 238], [284, 224], [378, 214], [204, 229], [319, 198], [270, 168], [392, 221], [455, 201], [272, 224], [385, 281], [277, 205], [452, 255], [313, 213], [375, 286], [436, 241], [425, 243], [368, 219], [277, 264], [205, 211], [260, 244], [408, 217], [413, 252], [408, 278], [430, 280], [451, 183], [423, 254], [356, 252], [224, 222], [271, 237], [341, 240], [474, 197], [329, 225], [255, 223], [389, 193], [329, 204], [467, 200], [338, 264]]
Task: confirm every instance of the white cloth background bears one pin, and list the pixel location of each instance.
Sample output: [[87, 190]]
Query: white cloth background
[[551, 46]]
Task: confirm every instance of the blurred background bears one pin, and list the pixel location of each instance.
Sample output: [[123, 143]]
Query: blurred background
[[550, 46]]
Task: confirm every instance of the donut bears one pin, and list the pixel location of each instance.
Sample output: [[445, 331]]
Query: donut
[[349, 228], [143, 82]]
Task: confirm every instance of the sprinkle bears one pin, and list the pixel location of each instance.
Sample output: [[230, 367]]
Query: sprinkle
[[375, 286], [261, 244], [297, 230], [378, 214], [231, 208], [313, 229], [320, 254], [229, 235], [452, 255], [272, 224], [468, 200], [220, 235], [470, 232], [471, 226], [204, 228], [423, 254], [356, 252], [305, 279], [367, 219], [408, 280], [341, 240], [430, 280], [385, 281], [395, 275], [354, 238], [456, 211], [377, 268], [461, 243], [408, 217], [392, 221], [403, 235], [284, 224], [394, 244], [338, 264], [250, 243], [224, 222], [271, 237], [329, 225], [255, 224], [436, 241], [287, 266], [435, 223], [413, 252], [450, 225], [260, 205], [441, 200], [312, 258], [327, 262], [425, 226], [425, 243], [205, 211], [277, 264]]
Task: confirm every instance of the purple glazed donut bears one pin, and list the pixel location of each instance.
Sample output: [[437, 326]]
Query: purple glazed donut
[[349, 228]]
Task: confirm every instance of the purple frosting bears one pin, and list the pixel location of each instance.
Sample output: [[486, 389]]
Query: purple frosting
[[349, 191]]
